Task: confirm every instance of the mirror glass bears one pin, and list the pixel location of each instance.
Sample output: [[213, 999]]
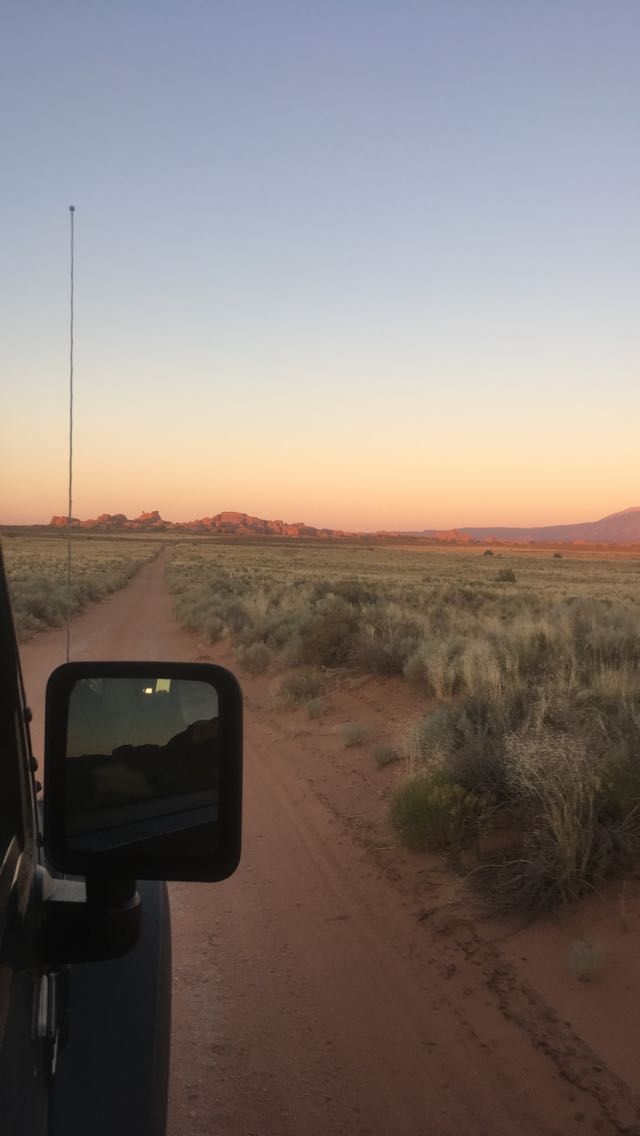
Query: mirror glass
[[142, 761]]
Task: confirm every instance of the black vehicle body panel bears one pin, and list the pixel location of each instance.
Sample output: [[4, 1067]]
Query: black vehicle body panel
[[24, 1047], [112, 1075]]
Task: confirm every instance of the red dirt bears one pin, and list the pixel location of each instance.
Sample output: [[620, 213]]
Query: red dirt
[[337, 984]]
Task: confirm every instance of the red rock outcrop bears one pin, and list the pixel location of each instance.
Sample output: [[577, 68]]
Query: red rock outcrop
[[236, 524]]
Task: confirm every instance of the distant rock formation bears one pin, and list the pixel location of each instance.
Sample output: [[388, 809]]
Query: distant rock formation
[[237, 524], [617, 528], [115, 521]]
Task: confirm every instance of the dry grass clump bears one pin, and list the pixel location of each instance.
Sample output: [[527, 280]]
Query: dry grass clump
[[578, 807], [300, 687], [586, 959], [434, 667], [555, 779]]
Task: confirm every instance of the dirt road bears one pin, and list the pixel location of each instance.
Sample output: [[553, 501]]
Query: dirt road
[[316, 992]]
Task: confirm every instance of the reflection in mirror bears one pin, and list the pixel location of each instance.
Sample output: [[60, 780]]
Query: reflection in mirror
[[142, 759]]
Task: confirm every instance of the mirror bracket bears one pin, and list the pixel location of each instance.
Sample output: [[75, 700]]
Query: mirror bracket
[[90, 922]]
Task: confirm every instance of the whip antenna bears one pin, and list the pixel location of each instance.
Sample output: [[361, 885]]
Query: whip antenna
[[71, 213]]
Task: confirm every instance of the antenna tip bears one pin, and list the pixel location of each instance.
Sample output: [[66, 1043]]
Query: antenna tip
[[72, 208]]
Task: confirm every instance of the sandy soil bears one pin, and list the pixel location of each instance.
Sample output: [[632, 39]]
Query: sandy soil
[[337, 984]]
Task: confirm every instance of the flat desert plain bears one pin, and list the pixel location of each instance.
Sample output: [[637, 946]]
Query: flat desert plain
[[339, 983]]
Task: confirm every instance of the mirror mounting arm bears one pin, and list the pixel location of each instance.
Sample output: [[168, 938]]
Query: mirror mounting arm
[[91, 922], [112, 894]]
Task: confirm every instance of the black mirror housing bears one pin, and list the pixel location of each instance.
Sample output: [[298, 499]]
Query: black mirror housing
[[143, 771]]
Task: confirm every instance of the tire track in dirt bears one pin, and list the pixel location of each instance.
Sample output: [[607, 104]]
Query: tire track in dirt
[[517, 1001]]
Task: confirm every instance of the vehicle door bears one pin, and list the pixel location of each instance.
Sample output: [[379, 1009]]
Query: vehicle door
[[26, 1045]]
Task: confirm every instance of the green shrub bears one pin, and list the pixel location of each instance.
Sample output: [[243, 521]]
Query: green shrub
[[326, 637], [416, 668], [619, 789], [384, 645], [467, 740], [316, 708], [256, 658], [213, 628], [353, 592], [432, 813], [385, 754], [538, 649], [354, 734], [506, 576], [237, 617]]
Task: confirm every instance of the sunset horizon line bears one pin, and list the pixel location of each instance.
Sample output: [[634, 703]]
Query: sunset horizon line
[[156, 516]]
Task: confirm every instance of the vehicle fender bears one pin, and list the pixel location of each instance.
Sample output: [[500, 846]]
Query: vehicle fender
[[112, 1074]]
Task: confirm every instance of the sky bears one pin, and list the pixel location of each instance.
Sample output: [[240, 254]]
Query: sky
[[363, 264]]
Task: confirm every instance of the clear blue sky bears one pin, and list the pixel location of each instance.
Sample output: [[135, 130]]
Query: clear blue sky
[[361, 264]]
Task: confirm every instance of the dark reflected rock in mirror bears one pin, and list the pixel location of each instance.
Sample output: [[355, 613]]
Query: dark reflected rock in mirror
[[107, 712], [140, 751]]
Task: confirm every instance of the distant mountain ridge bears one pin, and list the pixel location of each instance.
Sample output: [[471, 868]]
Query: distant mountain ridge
[[616, 528]]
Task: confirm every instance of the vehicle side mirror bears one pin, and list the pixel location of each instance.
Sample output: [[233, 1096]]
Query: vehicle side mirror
[[143, 771]]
